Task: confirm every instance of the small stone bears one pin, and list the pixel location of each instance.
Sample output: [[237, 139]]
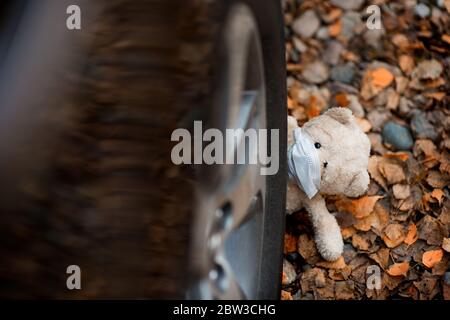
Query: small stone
[[428, 69], [323, 34], [373, 38], [355, 106], [316, 72], [351, 24], [343, 73], [397, 136], [289, 273], [405, 106], [421, 127], [299, 45], [422, 10], [447, 278], [333, 52], [307, 24], [348, 4]]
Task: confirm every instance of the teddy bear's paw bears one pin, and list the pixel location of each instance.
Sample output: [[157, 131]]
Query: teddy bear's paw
[[329, 240]]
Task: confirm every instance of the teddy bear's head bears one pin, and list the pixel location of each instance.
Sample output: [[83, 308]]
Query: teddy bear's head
[[343, 149]]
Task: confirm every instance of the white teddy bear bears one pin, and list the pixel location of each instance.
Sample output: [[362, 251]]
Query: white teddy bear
[[329, 155]]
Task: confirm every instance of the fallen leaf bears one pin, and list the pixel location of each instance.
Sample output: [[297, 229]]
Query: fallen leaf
[[307, 248], [406, 63], [381, 257], [431, 231], [438, 96], [348, 232], [285, 295], [393, 172], [446, 38], [401, 191], [335, 29], [364, 124], [412, 235], [430, 258], [337, 264], [290, 243], [374, 172], [446, 244], [381, 77], [403, 156], [341, 99], [398, 269], [393, 235], [438, 194], [360, 242], [437, 179], [360, 208]]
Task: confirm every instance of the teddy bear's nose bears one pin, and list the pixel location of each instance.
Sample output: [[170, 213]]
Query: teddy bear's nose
[[325, 164]]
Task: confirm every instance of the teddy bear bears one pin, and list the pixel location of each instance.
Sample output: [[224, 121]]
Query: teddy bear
[[328, 155]]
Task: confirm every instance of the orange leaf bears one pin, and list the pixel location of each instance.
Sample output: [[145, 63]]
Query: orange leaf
[[435, 95], [403, 156], [412, 236], [381, 77], [446, 38], [430, 258], [335, 29], [290, 243], [360, 208], [341, 99], [398, 269], [438, 194], [313, 109]]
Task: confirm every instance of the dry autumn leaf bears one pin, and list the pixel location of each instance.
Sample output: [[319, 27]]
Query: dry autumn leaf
[[341, 99], [446, 244], [412, 235], [438, 194], [290, 243], [364, 124], [432, 257], [393, 172], [403, 156], [398, 269], [381, 77], [406, 63], [374, 172], [335, 29], [337, 264], [393, 235], [360, 208]]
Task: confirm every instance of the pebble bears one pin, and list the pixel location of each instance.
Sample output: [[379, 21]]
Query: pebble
[[447, 278], [299, 45], [348, 4], [355, 106], [343, 73], [307, 24], [422, 10], [333, 52], [323, 34], [405, 106], [316, 72], [398, 136], [289, 272], [351, 24], [422, 128]]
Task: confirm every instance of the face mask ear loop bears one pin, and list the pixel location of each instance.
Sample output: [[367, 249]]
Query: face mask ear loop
[[304, 163]]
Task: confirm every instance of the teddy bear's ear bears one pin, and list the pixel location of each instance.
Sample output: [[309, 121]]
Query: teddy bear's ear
[[342, 115]]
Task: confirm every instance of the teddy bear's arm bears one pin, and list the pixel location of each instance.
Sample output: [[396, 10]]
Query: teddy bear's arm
[[328, 236]]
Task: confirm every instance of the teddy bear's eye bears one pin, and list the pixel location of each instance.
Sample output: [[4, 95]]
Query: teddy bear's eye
[[317, 145]]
